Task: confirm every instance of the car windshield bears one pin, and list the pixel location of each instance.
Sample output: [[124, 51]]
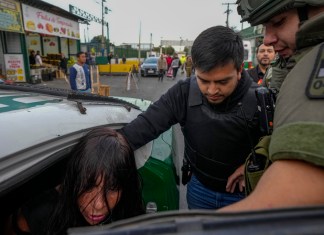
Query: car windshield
[[151, 61]]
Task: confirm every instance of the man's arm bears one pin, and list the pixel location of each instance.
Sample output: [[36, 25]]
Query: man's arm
[[159, 117], [72, 77], [286, 183]]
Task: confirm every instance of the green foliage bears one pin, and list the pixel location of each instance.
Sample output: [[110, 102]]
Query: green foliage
[[71, 61], [186, 49], [169, 50], [97, 39]]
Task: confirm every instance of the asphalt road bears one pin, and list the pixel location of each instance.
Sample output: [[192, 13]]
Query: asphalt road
[[149, 88]]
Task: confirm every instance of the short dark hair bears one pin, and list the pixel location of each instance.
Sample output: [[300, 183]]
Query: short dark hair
[[216, 47], [257, 47], [80, 53]]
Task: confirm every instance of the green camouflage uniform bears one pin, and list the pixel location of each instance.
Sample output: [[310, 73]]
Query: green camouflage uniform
[[299, 115]]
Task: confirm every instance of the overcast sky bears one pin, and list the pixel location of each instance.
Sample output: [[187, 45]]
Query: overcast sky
[[164, 19]]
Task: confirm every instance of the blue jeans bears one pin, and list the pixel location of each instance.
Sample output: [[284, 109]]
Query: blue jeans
[[201, 197]]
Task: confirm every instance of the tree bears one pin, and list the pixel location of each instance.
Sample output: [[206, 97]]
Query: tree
[[169, 50], [97, 39]]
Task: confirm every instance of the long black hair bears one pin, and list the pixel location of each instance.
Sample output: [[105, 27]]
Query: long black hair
[[102, 153]]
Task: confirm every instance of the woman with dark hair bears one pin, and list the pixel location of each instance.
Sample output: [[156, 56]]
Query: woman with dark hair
[[101, 185]]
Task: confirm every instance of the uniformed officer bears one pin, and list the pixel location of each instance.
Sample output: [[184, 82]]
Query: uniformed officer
[[216, 110], [296, 176]]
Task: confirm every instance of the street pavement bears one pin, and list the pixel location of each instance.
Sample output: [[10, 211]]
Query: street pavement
[[148, 87]]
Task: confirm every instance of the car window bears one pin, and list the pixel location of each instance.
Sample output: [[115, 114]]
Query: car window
[[151, 60]]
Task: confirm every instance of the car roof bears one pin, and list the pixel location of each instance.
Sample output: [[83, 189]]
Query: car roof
[[28, 118], [36, 122]]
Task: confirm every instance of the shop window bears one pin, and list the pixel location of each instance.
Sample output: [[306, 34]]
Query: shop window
[[73, 47], [33, 42], [64, 46], [50, 45], [13, 43]]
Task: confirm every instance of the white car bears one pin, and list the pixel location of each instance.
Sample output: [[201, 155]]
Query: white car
[[38, 128]]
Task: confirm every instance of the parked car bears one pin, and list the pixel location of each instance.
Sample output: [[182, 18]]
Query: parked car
[[39, 127], [150, 67]]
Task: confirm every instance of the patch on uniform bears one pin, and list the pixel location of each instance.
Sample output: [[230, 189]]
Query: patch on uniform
[[315, 86]]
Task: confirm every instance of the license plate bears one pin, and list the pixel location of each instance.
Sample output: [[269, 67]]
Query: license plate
[[150, 71]]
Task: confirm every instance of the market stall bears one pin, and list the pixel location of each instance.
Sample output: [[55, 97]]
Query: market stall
[[50, 34]]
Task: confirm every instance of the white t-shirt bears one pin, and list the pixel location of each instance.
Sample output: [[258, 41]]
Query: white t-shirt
[[38, 60]]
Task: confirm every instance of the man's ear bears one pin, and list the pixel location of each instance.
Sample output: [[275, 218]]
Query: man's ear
[[242, 67]]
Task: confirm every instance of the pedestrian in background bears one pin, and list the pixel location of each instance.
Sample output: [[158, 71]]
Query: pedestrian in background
[[63, 63], [183, 61], [116, 59], [124, 59], [175, 65], [38, 59], [162, 67], [32, 60], [80, 74], [169, 60], [109, 57], [188, 66], [265, 55]]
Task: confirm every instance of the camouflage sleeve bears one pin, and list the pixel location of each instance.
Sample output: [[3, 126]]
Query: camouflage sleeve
[[299, 119]]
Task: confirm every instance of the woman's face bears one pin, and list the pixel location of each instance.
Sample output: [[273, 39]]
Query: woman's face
[[93, 204]]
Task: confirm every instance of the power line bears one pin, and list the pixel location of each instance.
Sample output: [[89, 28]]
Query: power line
[[228, 11]]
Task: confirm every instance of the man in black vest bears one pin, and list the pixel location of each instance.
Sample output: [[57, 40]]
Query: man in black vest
[[216, 110]]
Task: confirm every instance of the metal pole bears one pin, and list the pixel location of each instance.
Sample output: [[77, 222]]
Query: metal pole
[[228, 11], [108, 46], [102, 26], [151, 45], [139, 44]]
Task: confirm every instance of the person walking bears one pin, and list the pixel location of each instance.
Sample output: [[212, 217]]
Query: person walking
[[295, 177], [175, 65], [80, 74], [63, 64], [109, 57], [216, 111], [124, 59], [183, 60], [188, 66], [162, 67], [169, 61]]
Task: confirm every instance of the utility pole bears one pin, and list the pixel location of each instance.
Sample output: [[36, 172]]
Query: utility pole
[[151, 45], [228, 11], [139, 44], [108, 42], [102, 26]]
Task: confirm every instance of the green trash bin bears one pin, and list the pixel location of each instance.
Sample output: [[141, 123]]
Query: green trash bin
[[159, 175]]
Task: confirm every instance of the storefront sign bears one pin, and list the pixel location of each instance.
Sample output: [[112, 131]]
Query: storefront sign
[[15, 69], [10, 16], [36, 20]]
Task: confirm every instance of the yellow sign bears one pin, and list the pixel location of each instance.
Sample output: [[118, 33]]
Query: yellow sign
[[15, 69], [10, 16]]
